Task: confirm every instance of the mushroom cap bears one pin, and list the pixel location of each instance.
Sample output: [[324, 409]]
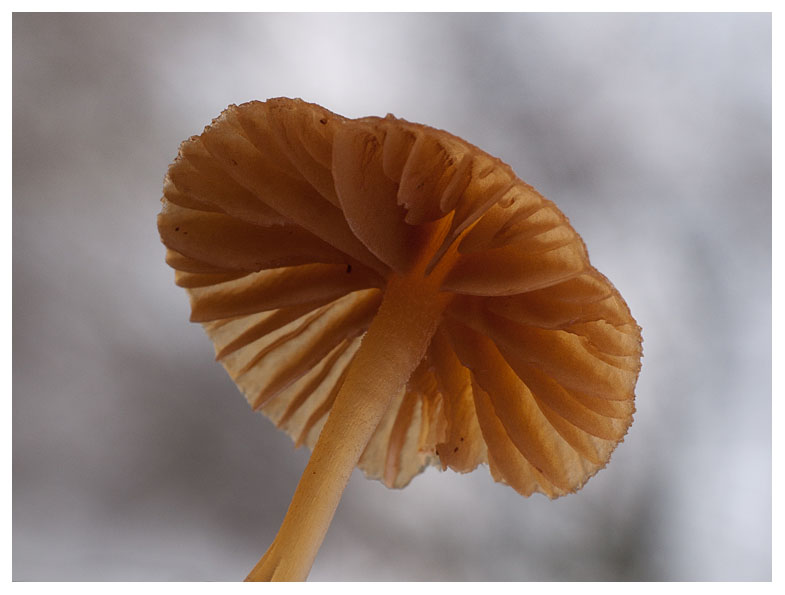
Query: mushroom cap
[[283, 221]]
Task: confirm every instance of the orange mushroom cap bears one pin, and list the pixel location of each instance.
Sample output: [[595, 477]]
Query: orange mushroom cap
[[285, 222]]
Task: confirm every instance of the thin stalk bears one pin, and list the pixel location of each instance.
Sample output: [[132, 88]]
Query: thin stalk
[[390, 351]]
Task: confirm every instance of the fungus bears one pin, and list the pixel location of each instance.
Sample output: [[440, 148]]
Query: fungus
[[393, 297]]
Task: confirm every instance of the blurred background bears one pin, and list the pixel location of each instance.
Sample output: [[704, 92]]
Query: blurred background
[[136, 458]]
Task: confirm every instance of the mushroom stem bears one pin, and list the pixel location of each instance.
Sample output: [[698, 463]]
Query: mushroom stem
[[390, 351]]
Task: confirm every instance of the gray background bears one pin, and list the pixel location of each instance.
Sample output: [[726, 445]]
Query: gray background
[[135, 458]]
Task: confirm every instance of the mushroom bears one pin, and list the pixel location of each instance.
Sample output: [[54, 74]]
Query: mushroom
[[393, 297]]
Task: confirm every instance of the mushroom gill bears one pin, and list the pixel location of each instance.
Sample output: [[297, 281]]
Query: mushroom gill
[[393, 297]]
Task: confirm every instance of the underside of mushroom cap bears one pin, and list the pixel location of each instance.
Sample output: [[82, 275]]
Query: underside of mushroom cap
[[284, 222]]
